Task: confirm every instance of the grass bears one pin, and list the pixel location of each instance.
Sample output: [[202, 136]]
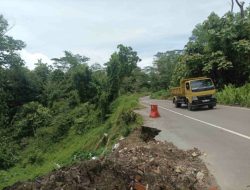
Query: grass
[[162, 94], [41, 157], [231, 95]]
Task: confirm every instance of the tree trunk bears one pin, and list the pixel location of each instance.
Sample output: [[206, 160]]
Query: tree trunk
[[241, 6], [232, 6]]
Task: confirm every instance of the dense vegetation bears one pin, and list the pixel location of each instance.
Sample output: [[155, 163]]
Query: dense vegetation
[[235, 96], [57, 114], [218, 48]]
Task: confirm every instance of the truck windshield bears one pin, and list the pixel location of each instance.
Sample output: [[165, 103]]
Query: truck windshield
[[201, 85]]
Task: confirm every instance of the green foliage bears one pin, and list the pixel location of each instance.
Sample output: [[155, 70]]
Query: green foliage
[[219, 48], [85, 155], [81, 78], [3, 108], [165, 64], [35, 158], [162, 94], [42, 154], [9, 47], [69, 61], [30, 117], [57, 115], [8, 152], [180, 72], [61, 125], [119, 70], [235, 96]]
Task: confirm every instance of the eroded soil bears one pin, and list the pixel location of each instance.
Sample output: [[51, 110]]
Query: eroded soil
[[137, 162]]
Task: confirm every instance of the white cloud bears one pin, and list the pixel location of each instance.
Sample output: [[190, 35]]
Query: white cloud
[[32, 58], [146, 62], [94, 28]]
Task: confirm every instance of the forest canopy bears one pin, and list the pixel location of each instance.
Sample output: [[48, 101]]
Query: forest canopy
[[36, 103]]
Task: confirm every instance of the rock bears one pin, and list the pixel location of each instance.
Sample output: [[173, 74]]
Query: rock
[[178, 169], [57, 165], [157, 170], [122, 138], [194, 154], [150, 164], [140, 172], [134, 158], [151, 160], [116, 146], [200, 176], [120, 151], [52, 178]]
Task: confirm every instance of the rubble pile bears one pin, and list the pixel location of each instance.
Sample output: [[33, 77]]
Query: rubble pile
[[138, 162]]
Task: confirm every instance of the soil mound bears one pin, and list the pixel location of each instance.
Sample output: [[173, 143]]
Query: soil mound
[[137, 162]]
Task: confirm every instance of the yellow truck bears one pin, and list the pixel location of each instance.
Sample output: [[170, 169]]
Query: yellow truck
[[195, 92]]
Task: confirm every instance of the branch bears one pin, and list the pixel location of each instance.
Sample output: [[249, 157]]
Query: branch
[[232, 5], [241, 5], [7, 30]]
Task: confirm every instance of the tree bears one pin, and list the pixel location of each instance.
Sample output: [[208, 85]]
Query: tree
[[81, 77], [30, 117], [10, 67], [165, 64], [9, 47], [218, 48], [241, 6], [69, 61], [120, 65]]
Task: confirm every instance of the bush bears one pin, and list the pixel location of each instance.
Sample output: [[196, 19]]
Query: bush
[[36, 158], [162, 94], [128, 117], [31, 116], [85, 155], [231, 95], [8, 153], [61, 123]]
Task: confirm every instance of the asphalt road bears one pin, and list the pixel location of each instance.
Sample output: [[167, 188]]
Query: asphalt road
[[222, 134]]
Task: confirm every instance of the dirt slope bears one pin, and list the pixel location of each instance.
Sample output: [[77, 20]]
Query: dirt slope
[[137, 162]]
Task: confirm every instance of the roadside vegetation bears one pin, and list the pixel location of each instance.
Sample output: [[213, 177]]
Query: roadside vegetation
[[58, 114], [231, 95], [161, 94], [218, 48], [86, 137]]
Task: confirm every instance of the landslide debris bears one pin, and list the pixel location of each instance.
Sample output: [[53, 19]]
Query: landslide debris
[[137, 162]]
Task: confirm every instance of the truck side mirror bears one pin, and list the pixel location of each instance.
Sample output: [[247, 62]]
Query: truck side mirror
[[187, 86]]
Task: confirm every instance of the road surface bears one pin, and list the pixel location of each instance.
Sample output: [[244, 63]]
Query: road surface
[[222, 134]]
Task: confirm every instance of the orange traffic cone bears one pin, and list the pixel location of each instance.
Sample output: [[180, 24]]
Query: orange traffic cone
[[154, 111]]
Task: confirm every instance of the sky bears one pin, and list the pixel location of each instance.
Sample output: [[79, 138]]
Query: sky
[[94, 28]]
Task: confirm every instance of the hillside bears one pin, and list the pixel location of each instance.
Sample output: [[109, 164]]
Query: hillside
[[41, 155], [138, 162]]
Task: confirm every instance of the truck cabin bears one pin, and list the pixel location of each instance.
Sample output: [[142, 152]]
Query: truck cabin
[[199, 85]]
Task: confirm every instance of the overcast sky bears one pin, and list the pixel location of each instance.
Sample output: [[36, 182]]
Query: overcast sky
[[94, 28]]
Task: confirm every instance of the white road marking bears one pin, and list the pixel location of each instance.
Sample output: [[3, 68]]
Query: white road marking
[[204, 122]]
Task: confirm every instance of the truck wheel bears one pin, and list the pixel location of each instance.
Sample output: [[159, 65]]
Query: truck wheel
[[177, 105], [210, 106], [190, 108]]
